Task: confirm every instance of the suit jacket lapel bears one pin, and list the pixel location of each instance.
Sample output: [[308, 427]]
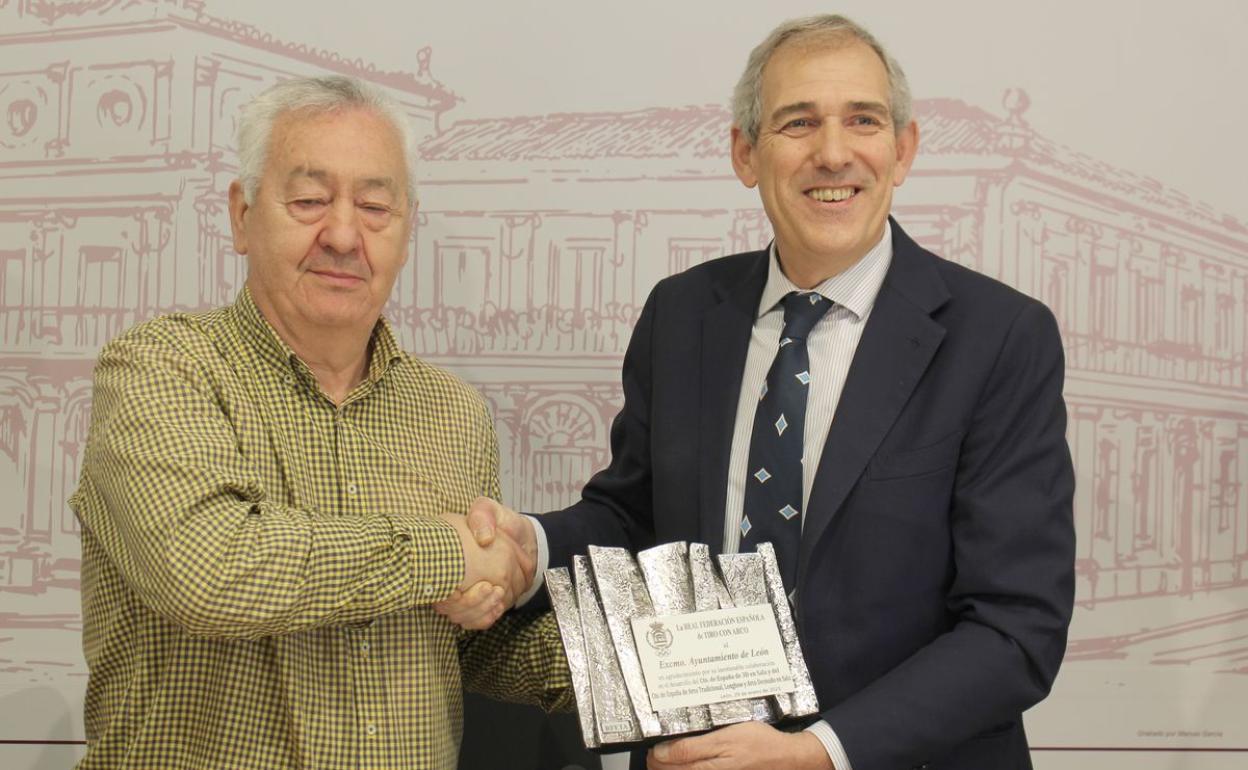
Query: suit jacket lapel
[[896, 347], [726, 330]]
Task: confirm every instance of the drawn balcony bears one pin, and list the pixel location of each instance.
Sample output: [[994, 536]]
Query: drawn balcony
[[1158, 359], [62, 329]]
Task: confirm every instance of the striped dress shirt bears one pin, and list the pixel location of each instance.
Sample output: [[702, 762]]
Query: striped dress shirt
[[831, 345]]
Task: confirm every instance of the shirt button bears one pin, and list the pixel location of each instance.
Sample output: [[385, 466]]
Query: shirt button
[[428, 590], [352, 489], [371, 729], [364, 646]]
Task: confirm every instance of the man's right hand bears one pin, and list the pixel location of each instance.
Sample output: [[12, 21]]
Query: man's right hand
[[494, 575], [492, 524], [486, 516]]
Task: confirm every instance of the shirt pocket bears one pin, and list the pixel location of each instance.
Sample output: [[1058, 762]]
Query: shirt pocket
[[936, 456]]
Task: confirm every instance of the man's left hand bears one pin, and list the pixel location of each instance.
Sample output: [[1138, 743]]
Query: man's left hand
[[750, 746]]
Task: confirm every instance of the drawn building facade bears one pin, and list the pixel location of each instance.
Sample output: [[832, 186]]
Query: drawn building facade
[[115, 169], [533, 252], [544, 235]]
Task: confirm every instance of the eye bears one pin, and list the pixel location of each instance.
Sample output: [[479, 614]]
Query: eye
[[866, 121], [375, 214], [307, 203], [798, 125]]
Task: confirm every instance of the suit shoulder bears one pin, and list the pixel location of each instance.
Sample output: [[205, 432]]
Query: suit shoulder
[[716, 273], [988, 294]]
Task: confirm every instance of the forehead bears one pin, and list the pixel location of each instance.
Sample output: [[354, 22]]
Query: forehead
[[822, 68], [343, 144]]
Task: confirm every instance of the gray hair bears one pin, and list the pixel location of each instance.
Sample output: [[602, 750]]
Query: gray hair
[[312, 96], [747, 97]]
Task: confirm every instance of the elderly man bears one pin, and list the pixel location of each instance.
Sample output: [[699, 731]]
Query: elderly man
[[262, 485], [893, 423]]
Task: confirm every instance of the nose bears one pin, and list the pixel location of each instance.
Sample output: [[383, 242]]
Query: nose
[[832, 151], [341, 233]]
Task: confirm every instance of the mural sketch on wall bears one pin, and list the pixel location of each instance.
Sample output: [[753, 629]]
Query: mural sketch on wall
[[537, 241]]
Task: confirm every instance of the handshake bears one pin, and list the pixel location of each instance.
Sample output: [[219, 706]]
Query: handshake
[[500, 562]]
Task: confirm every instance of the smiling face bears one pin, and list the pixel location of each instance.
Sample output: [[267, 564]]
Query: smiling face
[[327, 232], [827, 155]]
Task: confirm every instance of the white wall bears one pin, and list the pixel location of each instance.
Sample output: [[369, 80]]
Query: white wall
[[1147, 88]]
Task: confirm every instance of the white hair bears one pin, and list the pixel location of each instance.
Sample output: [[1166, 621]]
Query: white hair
[[312, 96], [747, 97]]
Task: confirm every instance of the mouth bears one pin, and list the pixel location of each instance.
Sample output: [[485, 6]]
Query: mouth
[[831, 194], [340, 279]]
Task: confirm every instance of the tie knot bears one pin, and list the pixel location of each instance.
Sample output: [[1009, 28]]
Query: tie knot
[[802, 310]]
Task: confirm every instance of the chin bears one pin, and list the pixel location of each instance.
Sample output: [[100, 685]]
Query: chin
[[329, 315]]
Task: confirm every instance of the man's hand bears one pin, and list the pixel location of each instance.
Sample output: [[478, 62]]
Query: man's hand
[[749, 746], [494, 575], [488, 519], [487, 516]]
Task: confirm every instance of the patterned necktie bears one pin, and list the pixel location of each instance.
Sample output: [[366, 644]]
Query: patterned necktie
[[773, 486]]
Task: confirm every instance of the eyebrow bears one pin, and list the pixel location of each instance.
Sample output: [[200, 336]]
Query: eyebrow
[[877, 108], [368, 183]]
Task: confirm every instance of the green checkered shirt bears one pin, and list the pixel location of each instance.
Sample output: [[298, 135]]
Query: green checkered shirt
[[258, 563]]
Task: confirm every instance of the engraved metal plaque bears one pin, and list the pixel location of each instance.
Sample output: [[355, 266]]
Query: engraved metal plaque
[[667, 644]]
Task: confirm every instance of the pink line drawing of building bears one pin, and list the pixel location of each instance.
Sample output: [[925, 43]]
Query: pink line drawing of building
[[537, 241], [576, 216]]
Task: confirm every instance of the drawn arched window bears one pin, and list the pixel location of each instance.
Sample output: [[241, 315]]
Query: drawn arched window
[[1104, 487], [12, 294], [565, 450], [575, 274], [1185, 454], [77, 421], [1191, 316], [1149, 309], [1143, 477], [1224, 496], [12, 428], [1103, 302], [1223, 323], [100, 294], [1057, 290], [463, 275]]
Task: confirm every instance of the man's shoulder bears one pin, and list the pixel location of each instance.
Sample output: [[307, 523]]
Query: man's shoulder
[[435, 383], [718, 274], [185, 331], [968, 288]]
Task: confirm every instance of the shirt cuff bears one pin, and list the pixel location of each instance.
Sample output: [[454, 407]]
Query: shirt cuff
[[543, 561], [437, 557], [831, 744]]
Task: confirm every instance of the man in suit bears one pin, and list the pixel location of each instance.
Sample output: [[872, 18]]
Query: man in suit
[[930, 557]]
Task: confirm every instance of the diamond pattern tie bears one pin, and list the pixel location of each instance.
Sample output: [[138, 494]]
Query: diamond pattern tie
[[773, 486]]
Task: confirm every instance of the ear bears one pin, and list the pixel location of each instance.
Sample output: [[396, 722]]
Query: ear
[[238, 214], [743, 158], [907, 149]]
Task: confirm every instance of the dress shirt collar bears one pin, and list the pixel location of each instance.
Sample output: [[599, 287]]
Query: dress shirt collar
[[855, 289], [257, 331]]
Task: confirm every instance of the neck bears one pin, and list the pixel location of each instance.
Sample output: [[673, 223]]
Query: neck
[[338, 363], [337, 356], [809, 273]]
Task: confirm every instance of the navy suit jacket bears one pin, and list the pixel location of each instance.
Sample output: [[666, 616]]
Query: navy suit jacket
[[935, 577]]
